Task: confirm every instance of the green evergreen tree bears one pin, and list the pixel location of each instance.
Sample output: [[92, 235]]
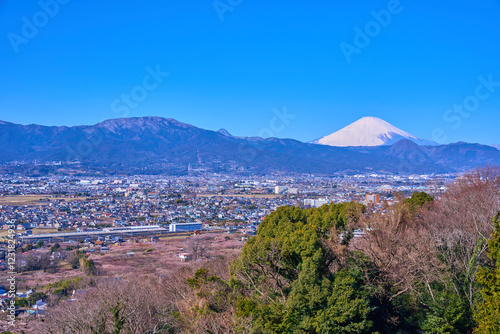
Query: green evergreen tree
[[488, 311], [418, 200], [287, 270]]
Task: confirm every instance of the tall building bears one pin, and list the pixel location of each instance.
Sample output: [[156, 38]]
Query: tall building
[[373, 198], [316, 203]]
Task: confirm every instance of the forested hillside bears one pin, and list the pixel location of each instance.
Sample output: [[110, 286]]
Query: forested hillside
[[424, 265]]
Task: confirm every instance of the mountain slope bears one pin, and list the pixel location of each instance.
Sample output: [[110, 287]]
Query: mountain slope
[[462, 155], [369, 131], [159, 145], [153, 142]]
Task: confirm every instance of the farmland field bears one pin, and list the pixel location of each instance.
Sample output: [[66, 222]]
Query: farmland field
[[33, 199]]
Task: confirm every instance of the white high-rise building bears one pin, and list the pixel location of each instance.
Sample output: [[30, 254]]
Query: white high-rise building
[[316, 203]]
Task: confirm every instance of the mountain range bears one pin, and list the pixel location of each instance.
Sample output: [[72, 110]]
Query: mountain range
[[161, 145]]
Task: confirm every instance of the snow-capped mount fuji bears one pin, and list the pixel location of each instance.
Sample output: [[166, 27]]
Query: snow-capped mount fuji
[[166, 146], [369, 131]]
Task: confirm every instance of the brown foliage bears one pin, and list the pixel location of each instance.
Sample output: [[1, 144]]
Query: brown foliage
[[460, 224], [199, 246], [445, 242], [148, 306], [207, 308], [144, 308], [399, 243]]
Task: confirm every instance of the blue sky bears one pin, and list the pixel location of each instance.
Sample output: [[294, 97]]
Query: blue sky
[[233, 64]]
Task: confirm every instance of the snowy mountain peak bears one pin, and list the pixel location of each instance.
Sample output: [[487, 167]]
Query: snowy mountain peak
[[369, 131]]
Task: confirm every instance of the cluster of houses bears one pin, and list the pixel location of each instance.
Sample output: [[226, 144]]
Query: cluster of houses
[[37, 309], [86, 204], [135, 207]]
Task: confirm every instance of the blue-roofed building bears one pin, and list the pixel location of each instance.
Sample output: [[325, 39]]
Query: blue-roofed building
[[185, 227]]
